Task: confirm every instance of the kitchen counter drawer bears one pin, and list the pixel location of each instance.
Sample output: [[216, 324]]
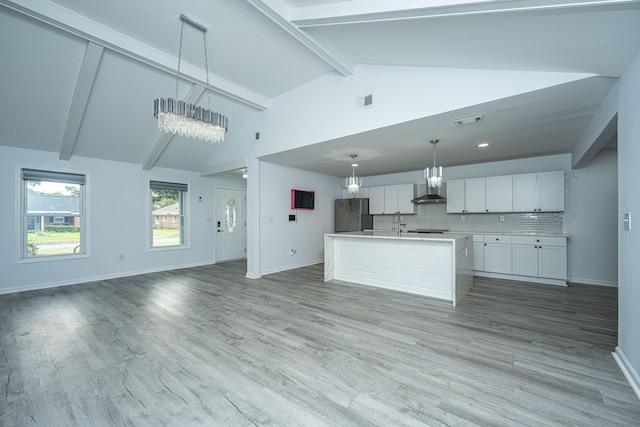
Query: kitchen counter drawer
[[539, 241]]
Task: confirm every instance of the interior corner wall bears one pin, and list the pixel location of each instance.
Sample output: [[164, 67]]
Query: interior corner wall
[[629, 202], [594, 217], [117, 220], [305, 235]]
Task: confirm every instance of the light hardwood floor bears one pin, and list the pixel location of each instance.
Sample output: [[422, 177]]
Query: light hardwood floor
[[205, 346]]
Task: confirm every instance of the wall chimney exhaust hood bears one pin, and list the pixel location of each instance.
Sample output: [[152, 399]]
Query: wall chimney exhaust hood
[[432, 196]]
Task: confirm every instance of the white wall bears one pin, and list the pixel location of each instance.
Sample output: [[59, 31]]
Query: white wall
[[306, 235], [594, 216], [629, 240], [299, 117], [117, 219]]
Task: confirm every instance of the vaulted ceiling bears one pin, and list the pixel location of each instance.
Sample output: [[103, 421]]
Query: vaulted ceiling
[[78, 77]]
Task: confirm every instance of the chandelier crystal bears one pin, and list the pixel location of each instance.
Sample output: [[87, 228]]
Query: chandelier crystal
[[435, 174], [353, 182], [180, 118]]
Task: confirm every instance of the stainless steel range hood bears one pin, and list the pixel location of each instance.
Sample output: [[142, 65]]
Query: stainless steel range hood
[[432, 196]]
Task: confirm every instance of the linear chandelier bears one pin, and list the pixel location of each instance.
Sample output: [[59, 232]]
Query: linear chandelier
[[180, 118], [434, 174], [353, 182]]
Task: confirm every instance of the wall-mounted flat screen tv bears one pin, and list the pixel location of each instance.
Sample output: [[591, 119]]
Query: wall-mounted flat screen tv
[[301, 199]]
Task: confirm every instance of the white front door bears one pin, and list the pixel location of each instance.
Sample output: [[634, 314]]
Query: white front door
[[231, 241]]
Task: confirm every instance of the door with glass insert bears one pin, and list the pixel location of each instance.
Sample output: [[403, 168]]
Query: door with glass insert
[[230, 224]]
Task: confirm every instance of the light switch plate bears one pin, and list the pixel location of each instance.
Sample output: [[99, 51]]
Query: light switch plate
[[627, 220]]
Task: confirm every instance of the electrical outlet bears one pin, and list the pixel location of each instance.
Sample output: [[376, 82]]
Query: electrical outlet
[[121, 257], [502, 218], [292, 252], [463, 218]]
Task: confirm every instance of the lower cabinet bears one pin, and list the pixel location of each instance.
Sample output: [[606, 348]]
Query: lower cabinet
[[497, 254], [540, 256], [530, 256]]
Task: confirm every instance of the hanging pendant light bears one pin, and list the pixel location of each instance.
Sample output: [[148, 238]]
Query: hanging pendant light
[[353, 182], [434, 174], [180, 118]]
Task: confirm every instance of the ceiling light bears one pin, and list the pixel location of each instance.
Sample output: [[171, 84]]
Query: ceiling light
[[434, 174], [483, 145], [468, 120], [180, 118], [353, 182]]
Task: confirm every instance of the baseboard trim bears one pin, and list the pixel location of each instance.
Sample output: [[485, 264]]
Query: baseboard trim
[[582, 281], [629, 373], [290, 267], [253, 276], [527, 279], [79, 281]]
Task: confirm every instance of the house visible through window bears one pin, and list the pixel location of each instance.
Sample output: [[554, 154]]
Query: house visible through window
[[167, 200], [52, 214]]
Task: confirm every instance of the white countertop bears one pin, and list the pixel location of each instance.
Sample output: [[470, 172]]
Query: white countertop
[[499, 233], [407, 236]]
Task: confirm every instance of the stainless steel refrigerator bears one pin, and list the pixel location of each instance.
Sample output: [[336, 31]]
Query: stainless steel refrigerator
[[353, 215]]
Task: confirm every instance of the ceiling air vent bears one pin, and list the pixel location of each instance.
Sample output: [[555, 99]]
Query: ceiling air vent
[[364, 101]]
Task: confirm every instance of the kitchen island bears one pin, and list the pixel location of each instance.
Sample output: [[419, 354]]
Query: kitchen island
[[434, 265]]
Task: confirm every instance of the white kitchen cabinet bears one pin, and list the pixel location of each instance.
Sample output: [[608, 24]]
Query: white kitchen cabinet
[[391, 199], [455, 196], [499, 193], [406, 193], [497, 254], [551, 191], [480, 195], [376, 200], [538, 192], [465, 196], [391, 204], [544, 257], [474, 195]]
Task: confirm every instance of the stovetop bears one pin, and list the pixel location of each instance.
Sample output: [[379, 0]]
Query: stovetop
[[428, 230]]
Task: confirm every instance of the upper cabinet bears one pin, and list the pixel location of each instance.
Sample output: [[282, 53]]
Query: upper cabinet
[[534, 192], [391, 199], [499, 194], [478, 195], [538, 192]]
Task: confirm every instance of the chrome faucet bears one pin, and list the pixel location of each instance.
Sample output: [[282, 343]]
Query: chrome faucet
[[398, 223]]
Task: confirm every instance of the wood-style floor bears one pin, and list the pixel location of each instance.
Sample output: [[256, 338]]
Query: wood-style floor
[[205, 346]]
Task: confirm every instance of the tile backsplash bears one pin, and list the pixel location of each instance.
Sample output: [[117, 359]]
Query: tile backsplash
[[434, 215]]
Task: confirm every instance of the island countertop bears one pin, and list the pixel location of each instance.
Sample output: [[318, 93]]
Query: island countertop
[[404, 235], [434, 265]]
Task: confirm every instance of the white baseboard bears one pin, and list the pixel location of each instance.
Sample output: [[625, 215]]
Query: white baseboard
[[629, 373], [593, 282], [528, 279], [252, 276], [49, 285], [291, 267]]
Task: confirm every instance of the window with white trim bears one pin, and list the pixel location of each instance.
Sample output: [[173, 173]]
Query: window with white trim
[[168, 199], [52, 219]]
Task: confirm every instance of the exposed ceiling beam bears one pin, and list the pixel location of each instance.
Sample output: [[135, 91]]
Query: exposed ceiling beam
[[87, 76], [192, 96], [361, 11], [64, 19], [278, 12]]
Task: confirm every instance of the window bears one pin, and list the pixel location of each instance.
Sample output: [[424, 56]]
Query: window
[[167, 199], [53, 221]]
